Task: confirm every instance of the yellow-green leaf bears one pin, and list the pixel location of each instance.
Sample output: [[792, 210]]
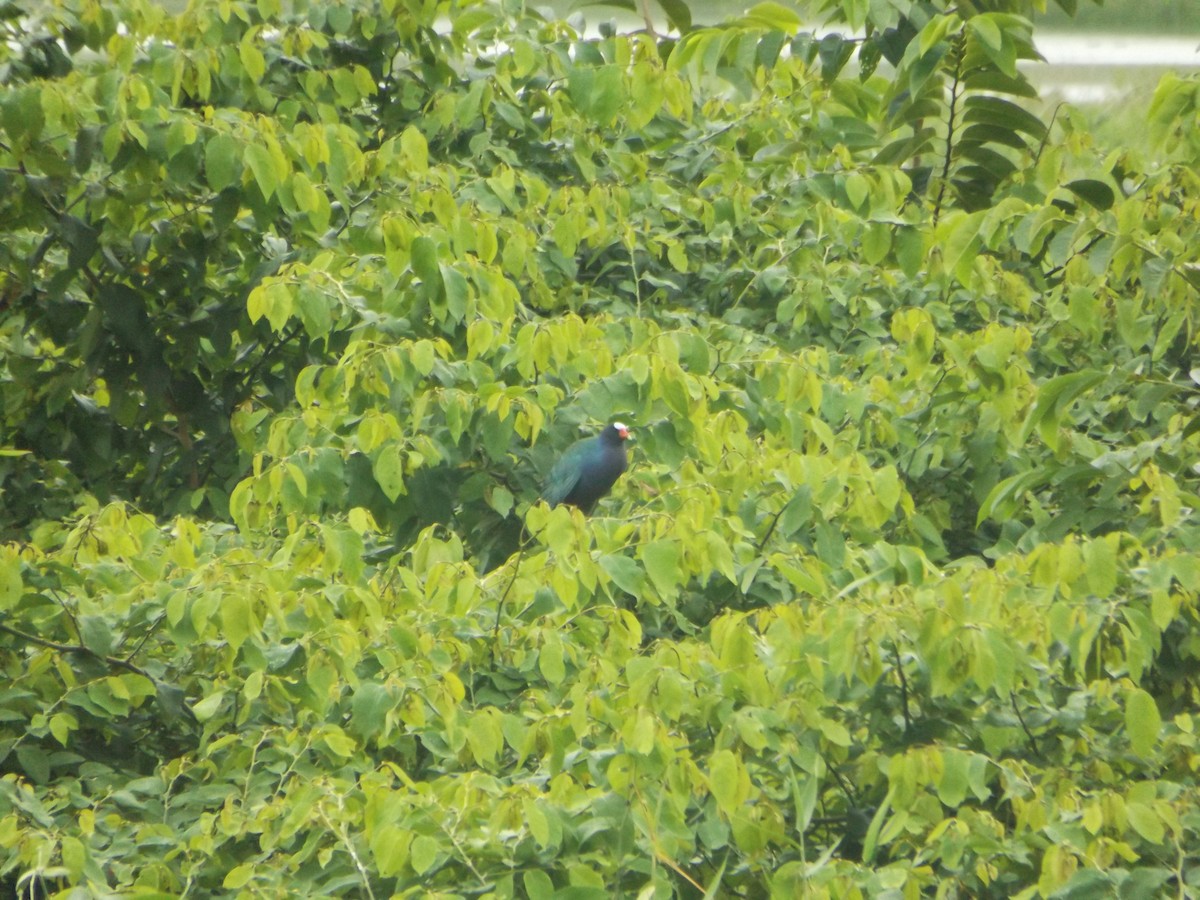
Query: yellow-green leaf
[[389, 471], [239, 877], [11, 583], [661, 559], [1145, 822], [550, 660], [424, 853], [1142, 721], [724, 780]]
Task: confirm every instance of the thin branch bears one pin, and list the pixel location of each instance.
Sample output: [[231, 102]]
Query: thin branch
[[1046, 137], [266, 358], [1020, 718], [67, 612], [145, 637], [903, 686], [114, 661], [339, 829], [837, 776], [484, 883], [770, 529], [1097, 238], [796, 247], [507, 589], [920, 415]]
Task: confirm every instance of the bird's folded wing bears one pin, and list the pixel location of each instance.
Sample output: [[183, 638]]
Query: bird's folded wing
[[563, 478]]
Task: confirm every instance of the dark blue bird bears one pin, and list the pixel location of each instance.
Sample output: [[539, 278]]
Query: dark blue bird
[[588, 469]]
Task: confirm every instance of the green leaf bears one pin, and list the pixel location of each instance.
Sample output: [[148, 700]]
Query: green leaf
[[239, 876], [21, 112], [1054, 397], [313, 307], [910, 250], [679, 14], [11, 584], [96, 634], [339, 742], [857, 190], [484, 738], [61, 726], [550, 660], [996, 43], [369, 709], [458, 292], [661, 561], [724, 779], [262, 166], [952, 785], [773, 15], [877, 242], [207, 708], [423, 356], [834, 51], [236, 619], [390, 849], [74, 856], [961, 246], [1101, 565], [425, 261], [1002, 500], [414, 150], [1097, 193], [81, 240], [597, 93], [424, 853], [1146, 822], [987, 31], [625, 573], [222, 162], [388, 468], [35, 762], [871, 841], [538, 885], [1004, 114], [501, 500], [251, 58], [1142, 722]]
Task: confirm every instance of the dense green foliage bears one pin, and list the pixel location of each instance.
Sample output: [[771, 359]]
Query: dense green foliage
[[300, 302]]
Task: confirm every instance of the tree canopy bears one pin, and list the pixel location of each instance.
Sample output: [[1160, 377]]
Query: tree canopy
[[300, 302]]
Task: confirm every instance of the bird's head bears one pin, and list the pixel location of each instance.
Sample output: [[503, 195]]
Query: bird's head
[[615, 434]]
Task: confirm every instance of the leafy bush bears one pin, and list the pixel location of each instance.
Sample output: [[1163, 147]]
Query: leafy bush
[[300, 302]]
